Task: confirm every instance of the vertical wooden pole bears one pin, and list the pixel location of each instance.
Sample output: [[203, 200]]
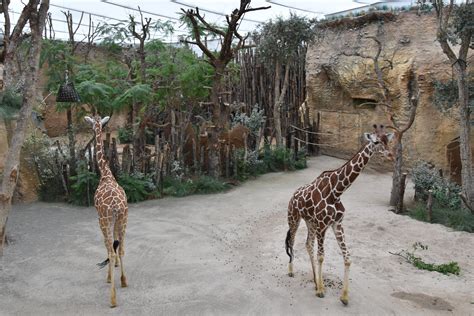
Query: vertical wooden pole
[[403, 179], [429, 206]]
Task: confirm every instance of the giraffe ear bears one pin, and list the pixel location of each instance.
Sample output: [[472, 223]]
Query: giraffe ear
[[104, 120], [390, 136], [89, 120]]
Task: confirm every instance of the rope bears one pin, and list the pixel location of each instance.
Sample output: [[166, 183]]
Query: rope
[[323, 145], [300, 129]]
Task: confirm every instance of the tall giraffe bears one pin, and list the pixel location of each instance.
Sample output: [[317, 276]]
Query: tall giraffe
[[318, 203], [111, 204]]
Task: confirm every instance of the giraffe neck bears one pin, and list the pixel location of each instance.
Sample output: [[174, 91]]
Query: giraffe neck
[[347, 174], [101, 160]]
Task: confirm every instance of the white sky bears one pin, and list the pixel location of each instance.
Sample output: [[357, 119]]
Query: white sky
[[172, 10]]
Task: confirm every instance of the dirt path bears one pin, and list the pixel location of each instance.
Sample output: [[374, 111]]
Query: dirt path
[[223, 254]]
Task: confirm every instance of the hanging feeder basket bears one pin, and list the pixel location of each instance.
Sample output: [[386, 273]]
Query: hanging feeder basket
[[67, 92]]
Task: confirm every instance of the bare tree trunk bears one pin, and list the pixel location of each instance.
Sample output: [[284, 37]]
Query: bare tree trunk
[[72, 143], [30, 98], [279, 98], [464, 133]]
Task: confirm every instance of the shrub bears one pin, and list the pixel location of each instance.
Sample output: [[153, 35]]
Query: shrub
[[125, 135], [85, 183], [201, 185], [46, 160], [137, 186], [427, 178]]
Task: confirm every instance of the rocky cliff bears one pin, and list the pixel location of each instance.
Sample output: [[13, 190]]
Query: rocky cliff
[[343, 90]]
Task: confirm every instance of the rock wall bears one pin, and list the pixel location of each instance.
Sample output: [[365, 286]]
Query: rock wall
[[342, 87]]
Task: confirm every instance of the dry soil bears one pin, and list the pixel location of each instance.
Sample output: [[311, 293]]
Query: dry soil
[[224, 254]]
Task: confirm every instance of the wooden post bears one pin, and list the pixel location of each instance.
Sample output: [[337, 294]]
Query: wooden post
[[157, 160], [126, 160], [429, 206], [399, 208], [227, 160], [114, 161]]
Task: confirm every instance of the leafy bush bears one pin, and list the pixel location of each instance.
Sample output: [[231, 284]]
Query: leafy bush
[[137, 186], [427, 178], [446, 93], [10, 103], [85, 183], [125, 135], [253, 122], [201, 185], [45, 159], [278, 158]]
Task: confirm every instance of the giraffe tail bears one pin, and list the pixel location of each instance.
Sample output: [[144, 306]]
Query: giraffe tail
[[106, 261], [289, 248]]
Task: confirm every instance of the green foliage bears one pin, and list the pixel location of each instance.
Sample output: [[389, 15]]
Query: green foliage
[[445, 268], [47, 163], [446, 93], [253, 122], [125, 135], [137, 186], [58, 55], [282, 39], [457, 218], [427, 178], [84, 184], [462, 23], [10, 103], [270, 160], [179, 73], [201, 185]]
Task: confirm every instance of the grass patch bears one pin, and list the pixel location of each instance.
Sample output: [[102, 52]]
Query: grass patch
[[458, 219]]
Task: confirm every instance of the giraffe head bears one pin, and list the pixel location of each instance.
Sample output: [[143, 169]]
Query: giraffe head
[[97, 122], [380, 139]]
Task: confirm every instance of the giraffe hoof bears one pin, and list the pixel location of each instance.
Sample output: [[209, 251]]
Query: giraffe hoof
[[345, 301], [124, 282], [113, 305], [291, 274], [320, 294]]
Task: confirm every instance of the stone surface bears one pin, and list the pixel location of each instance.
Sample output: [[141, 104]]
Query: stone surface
[[337, 83]]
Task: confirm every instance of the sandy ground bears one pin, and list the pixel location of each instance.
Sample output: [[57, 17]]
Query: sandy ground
[[224, 254]]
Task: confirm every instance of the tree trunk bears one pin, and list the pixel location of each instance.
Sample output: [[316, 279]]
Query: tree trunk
[[219, 111], [72, 144], [30, 98], [397, 174], [464, 133], [279, 98]]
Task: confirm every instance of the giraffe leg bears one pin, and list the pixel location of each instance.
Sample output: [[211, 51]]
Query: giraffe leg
[[106, 227], [310, 249], [339, 232], [113, 299], [320, 284], [293, 222], [121, 253]]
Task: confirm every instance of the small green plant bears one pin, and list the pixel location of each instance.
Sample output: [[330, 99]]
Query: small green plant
[[410, 257], [125, 135], [10, 103], [85, 183]]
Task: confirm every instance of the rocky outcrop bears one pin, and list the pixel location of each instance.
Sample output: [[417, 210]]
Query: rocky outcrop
[[343, 89]]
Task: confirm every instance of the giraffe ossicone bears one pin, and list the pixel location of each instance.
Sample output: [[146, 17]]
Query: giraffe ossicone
[[110, 201], [318, 204]]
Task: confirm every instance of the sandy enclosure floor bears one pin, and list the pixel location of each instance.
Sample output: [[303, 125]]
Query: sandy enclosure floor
[[224, 254]]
